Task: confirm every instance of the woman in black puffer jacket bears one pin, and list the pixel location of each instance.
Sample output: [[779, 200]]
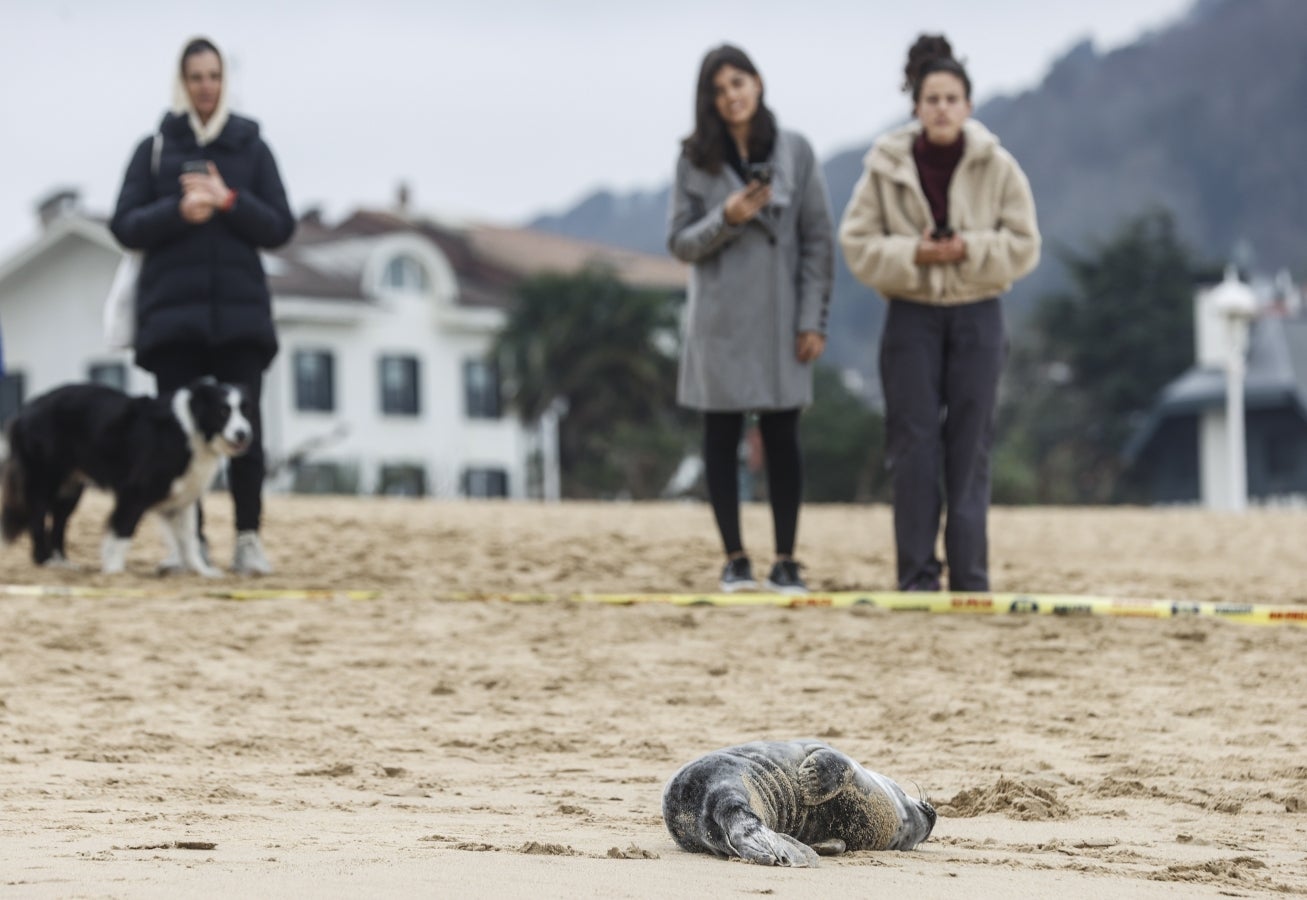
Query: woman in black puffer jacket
[[200, 199]]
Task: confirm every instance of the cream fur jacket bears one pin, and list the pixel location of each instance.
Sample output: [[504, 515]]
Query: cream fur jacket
[[990, 206]]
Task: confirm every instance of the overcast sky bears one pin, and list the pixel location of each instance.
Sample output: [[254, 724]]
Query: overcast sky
[[494, 110]]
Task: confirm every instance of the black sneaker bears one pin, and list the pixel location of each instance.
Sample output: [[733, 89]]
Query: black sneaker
[[738, 576], [923, 583], [785, 578]]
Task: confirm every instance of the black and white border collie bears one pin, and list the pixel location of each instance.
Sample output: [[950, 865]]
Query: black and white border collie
[[155, 454]]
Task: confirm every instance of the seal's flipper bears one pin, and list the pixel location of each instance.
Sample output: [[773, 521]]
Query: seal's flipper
[[748, 838], [829, 847], [795, 853], [822, 775]]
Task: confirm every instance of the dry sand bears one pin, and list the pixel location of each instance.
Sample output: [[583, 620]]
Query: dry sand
[[177, 744]]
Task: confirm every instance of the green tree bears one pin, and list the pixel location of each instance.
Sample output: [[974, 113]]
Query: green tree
[[843, 444], [609, 351], [1091, 362]]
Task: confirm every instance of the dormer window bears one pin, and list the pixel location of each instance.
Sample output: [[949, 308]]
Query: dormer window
[[405, 274]]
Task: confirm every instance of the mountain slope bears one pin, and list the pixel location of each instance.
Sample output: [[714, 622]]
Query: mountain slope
[[1205, 118]]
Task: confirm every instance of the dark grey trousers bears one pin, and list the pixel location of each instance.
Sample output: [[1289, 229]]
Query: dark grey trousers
[[939, 368]]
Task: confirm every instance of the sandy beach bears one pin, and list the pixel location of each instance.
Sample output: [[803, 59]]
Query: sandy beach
[[157, 741]]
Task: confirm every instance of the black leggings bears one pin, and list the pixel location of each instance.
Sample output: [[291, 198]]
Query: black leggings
[[177, 366], [780, 441]]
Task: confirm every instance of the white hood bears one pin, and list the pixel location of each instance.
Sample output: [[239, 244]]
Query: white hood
[[205, 133]]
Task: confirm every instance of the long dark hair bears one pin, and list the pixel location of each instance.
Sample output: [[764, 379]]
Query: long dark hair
[[931, 53], [196, 46], [706, 147]]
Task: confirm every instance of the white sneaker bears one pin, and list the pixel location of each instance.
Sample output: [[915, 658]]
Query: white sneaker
[[249, 558]]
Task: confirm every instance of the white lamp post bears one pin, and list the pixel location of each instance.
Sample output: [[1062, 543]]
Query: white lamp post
[[549, 450], [1236, 303]]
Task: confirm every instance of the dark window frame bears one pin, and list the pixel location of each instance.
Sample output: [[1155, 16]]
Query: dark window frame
[[405, 273], [402, 480], [13, 393], [489, 481], [482, 400], [406, 398], [314, 395], [96, 371]]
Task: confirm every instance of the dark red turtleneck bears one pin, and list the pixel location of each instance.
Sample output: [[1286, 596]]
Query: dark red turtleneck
[[935, 167]]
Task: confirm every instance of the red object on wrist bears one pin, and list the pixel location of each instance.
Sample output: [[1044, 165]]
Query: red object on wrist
[[229, 202]]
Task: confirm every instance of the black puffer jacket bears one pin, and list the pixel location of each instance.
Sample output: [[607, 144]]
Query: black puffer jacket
[[203, 284]]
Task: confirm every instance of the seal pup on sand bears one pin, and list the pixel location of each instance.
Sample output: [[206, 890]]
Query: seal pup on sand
[[780, 803]]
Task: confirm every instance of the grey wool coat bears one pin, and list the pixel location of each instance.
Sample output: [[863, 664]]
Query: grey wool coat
[[755, 286]]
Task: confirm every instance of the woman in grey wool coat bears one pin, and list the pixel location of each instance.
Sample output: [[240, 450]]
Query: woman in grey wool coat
[[751, 214]]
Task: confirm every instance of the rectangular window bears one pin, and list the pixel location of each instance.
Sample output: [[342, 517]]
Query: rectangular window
[[399, 385], [485, 483], [399, 480], [481, 389], [315, 381], [13, 391], [326, 478], [112, 375]]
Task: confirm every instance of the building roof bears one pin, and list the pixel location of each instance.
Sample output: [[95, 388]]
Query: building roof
[[489, 261], [525, 252], [58, 229], [1276, 377], [328, 261]]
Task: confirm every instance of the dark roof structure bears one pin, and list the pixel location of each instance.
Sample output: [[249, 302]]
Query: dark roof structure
[[1276, 377], [489, 262]]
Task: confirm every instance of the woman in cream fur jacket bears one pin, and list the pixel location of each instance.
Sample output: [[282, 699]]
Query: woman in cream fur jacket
[[941, 224]]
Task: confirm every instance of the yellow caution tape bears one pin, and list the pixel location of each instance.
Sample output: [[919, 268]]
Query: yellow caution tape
[[944, 602], [893, 601]]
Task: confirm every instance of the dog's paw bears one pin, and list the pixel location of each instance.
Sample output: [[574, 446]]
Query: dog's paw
[[208, 572]]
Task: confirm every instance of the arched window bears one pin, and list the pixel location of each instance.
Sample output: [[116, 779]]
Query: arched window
[[404, 273]]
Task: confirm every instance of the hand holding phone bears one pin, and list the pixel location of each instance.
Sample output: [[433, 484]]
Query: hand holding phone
[[202, 184], [760, 172]]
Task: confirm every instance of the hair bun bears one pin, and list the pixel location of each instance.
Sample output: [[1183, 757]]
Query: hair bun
[[927, 49]]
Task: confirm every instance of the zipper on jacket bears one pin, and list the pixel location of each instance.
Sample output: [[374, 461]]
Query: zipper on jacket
[[213, 286]]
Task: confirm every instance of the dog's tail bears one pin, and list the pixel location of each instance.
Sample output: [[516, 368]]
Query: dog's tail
[[13, 489]]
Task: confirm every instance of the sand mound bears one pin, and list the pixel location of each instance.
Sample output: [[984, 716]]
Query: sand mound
[[1015, 799]]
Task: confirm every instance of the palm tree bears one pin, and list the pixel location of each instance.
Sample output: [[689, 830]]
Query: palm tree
[[608, 350]]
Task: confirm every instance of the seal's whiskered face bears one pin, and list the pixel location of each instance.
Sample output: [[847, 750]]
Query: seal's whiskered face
[[916, 817], [220, 413], [918, 824]]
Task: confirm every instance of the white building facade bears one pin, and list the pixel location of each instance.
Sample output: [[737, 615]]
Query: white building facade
[[384, 382]]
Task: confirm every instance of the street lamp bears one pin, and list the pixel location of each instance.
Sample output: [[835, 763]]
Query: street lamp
[[550, 453], [1235, 303]]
